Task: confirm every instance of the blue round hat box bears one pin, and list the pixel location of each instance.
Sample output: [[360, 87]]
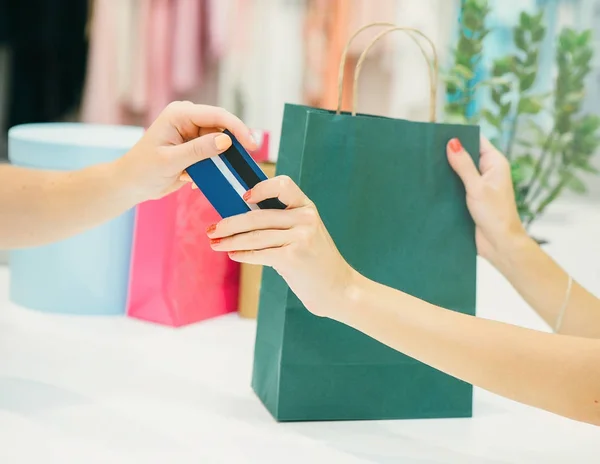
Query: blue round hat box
[[86, 274]]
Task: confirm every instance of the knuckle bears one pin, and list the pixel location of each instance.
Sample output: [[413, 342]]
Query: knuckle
[[310, 215], [285, 182], [173, 106]]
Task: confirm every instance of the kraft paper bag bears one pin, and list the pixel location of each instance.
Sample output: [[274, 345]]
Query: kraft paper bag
[[397, 212], [251, 274]]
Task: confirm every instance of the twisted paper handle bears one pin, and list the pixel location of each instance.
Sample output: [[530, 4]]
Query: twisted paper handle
[[432, 65]]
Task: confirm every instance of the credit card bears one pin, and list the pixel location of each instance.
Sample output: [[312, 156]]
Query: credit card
[[224, 180]]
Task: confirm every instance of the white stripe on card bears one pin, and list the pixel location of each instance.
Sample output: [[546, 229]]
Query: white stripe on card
[[239, 188]]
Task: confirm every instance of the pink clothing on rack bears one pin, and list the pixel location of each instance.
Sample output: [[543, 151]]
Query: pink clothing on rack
[[187, 46], [100, 103], [219, 12], [127, 35], [363, 12], [160, 41], [326, 35], [138, 97]]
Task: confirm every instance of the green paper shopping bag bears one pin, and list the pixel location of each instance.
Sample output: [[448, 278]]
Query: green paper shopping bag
[[397, 213]]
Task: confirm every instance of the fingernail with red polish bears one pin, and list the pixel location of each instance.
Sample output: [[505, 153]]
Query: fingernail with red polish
[[247, 195], [215, 241], [455, 146], [210, 229]]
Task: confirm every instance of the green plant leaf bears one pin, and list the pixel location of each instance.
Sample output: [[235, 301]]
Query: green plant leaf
[[455, 118], [493, 119], [527, 81], [519, 39], [576, 185], [586, 167], [539, 34], [554, 194], [522, 168], [456, 82], [525, 20], [503, 66], [497, 81], [525, 143], [530, 105], [584, 38], [463, 72]]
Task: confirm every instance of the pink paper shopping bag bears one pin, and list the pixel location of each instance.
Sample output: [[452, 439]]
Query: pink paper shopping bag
[[176, 278]]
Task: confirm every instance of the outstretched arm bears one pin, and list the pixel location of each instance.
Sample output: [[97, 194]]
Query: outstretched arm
[[37, 207], [502, 240], [554, 372]]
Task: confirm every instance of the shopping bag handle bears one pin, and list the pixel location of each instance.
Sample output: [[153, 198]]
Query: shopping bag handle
[[432, 67]]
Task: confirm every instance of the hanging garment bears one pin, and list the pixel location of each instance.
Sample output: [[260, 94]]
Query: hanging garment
[[137, 100], [128, 15], [326, 34], [263, 67], [101, 96], [364, 12], [49, 51], [220, 26], [187, 45], [160, 48]]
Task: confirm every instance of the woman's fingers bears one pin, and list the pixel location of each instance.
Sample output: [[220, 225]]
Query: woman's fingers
[[254, 240], [191, 118], [463, 164], [259, 257], [261, 219], [280, 187]]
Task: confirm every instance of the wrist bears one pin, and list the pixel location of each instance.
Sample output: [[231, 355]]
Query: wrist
[[126, 180], [351, 296], [121, 182], [507, 253]]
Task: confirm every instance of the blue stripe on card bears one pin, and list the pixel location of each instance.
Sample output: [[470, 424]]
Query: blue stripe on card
[[217, 188]]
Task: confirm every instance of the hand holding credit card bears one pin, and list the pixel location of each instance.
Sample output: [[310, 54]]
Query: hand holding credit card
[[224, 180]]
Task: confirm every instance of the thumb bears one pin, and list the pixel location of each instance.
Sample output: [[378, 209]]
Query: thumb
[[200, 148], [462, 163]]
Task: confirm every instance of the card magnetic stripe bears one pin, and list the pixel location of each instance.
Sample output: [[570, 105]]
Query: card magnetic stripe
[[250, 174], [243, 163], [224, 180], [215, 180]]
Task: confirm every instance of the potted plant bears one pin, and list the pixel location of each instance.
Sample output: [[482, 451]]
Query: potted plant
[[545, 136]]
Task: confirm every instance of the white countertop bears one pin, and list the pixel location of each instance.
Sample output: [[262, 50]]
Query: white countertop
[[113, 390]]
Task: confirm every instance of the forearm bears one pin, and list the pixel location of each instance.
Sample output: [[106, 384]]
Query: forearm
[[38, 207], [552, 372], [543, 284]]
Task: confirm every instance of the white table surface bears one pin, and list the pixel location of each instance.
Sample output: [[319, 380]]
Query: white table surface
[[113, 390]]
